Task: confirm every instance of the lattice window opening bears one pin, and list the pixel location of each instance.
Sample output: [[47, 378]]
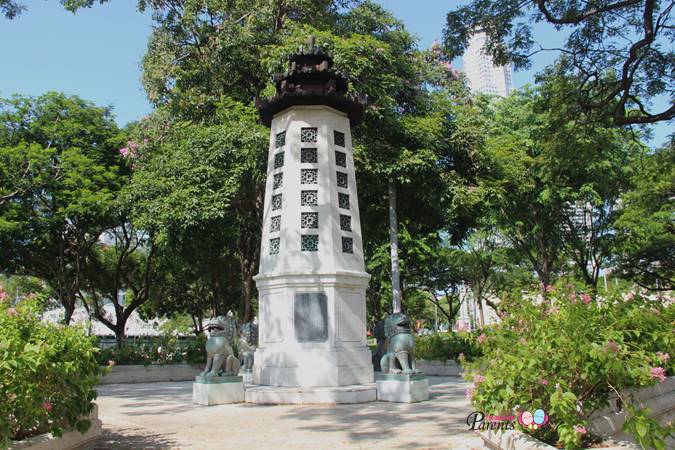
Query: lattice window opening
[[309, 176], [347, 245], [275, 224], [309, 220], [338, 138], [276, 202], [274, 246], [278, 180], [309, 155], [309, 198], [280, 139], [340, 159], [309, 134], [279, 160], [343, 200], [345, 222], [342, 180], [309, 243]]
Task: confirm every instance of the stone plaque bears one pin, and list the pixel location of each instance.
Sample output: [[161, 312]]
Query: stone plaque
[[311, 317]]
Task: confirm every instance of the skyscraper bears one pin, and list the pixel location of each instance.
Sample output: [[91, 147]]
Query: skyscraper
[[483, 76]]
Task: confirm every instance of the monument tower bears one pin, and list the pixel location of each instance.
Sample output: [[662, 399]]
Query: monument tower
[[312, 280]]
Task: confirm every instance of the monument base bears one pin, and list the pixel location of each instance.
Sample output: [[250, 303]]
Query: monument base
[[247, 377], [275, 395], [211, 391], [402, 388]]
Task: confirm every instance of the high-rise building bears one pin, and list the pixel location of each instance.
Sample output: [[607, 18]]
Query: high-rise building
[[483, 76]]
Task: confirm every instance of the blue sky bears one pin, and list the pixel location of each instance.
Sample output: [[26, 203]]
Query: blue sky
[[96, 53]]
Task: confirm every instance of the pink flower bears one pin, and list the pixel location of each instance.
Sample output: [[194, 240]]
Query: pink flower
[[111, 362], [548, 288], [663, 357], [553, 310], [658, 373], [611, 346], [543, 381], [47, 406], [630, 296], [462, 327], [501, 314], [478, 379], [469, 393], [124, 151], [3, 295], [573, 297], [11, 312], [586, 298], [580, 429], [482, 338]]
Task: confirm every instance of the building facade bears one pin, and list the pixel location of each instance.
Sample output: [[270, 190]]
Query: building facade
[[482, 75]]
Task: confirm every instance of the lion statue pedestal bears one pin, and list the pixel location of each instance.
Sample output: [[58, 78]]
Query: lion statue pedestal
[[219, 383], [400, 381]]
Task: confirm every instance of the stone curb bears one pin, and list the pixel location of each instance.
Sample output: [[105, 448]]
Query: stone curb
[[515, 440], [151, 374], [436, 367], [68, 441]]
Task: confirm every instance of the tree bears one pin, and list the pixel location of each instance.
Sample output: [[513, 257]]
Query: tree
[[548, 163], [194, 188], [59, 177], [618, 52], [441, 277], [644, 225], [124, 266], [12, 9]]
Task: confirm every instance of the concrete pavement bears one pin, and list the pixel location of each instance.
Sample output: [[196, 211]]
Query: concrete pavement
[[162, 416]]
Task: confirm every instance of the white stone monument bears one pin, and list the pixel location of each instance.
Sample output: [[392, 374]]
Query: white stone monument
[[312, 280]]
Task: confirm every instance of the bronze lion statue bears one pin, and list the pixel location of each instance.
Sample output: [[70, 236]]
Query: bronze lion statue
[[220, 359], [400, 344]]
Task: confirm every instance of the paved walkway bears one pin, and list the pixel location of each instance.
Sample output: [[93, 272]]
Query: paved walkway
[[162, 416]]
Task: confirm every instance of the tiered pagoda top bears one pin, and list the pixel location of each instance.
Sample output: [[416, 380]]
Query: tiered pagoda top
[[311, 80]]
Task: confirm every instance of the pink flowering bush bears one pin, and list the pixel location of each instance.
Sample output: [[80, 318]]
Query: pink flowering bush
[[47, 374], [568, 355]]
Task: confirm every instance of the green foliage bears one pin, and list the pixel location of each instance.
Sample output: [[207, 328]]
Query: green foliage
[[543, 164], [162, 350], [617, 53], [60, 173], [201, 180], [568, 354], [444, 346], [47, 374], [644, 225]]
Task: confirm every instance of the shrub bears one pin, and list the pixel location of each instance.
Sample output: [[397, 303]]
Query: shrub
[[567, 354], [47, 374], [161, 350], [444, 346]]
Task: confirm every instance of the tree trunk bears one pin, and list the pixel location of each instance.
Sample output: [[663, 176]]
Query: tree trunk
[[393, 240], [69, 308], [119, 331]]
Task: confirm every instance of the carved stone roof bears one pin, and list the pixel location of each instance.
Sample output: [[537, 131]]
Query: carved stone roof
[[311, 80]]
